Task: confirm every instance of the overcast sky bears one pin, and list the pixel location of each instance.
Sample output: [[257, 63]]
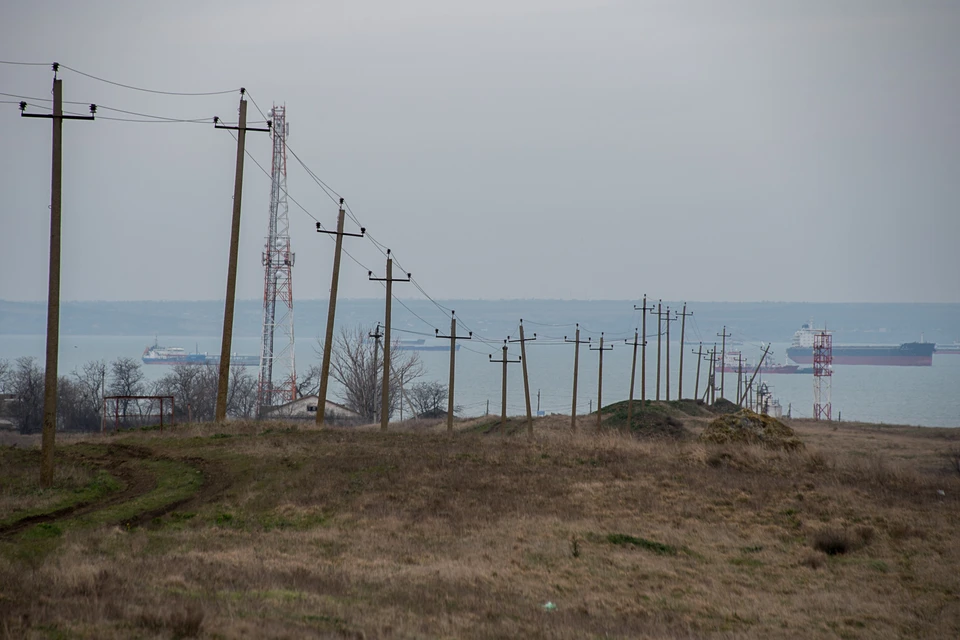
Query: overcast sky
[[689, 149]]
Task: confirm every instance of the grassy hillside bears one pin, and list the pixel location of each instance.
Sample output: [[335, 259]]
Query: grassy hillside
[[268, 530]]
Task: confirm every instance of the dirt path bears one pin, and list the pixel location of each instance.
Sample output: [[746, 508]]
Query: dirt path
[[120, 460]]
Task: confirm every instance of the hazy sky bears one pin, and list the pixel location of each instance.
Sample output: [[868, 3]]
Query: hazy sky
[[689, 149]]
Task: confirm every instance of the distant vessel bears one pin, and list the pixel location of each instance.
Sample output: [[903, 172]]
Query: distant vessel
[[908, 354], [419, 345], [156, 354], [732, 365], [944, 349]]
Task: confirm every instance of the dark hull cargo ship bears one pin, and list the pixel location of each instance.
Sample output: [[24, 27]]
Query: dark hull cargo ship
[[908, 354]]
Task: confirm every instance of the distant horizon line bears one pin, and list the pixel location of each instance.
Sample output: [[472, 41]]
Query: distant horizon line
[[422, 299]]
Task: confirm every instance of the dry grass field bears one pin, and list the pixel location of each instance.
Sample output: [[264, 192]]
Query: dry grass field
[[275, 531]]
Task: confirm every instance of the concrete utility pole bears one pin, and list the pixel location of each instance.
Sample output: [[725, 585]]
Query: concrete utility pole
[[526, 380], [576, 367], [331, 311], [659, 336], [643, 349], [376, 335], [227, 338], [713, 374], [385, 397], [503, 406], [683, 332], [696, 389], [633, 373], [668, 321], [48, 439], [739, 377], [601, 349], [453, 360], [723, 356]]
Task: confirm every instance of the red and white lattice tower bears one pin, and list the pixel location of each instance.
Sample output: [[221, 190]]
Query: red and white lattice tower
[[822, 375], [277, 382]]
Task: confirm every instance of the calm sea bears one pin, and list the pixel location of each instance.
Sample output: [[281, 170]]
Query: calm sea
[[927, 396]]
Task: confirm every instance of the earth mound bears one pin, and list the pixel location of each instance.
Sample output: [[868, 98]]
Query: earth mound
[[747, 427], [654, 420], [723, 406]]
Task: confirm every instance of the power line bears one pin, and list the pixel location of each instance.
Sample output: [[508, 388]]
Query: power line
[[156, 91]]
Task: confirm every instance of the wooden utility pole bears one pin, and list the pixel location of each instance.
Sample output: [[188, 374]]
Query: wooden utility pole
[[376, 335], [526, 381], [385, 396], [453, 360], [756, 371], [696, 388], [601, 349], [668, 321], [683, 332], [503, 405], [48, 439], [223, 381], [576, 367], [659, 334], [643, 349], [331, 311], [633, 373], [723, 356]]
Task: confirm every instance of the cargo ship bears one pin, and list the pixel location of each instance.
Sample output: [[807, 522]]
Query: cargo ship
[[732, 365], [948, 349], [908, 354], [156, 354]]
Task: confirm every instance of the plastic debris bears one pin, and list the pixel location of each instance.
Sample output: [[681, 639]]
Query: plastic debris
[[550, 606]]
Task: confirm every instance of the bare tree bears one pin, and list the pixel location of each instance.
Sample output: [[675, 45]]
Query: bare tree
[[308, 382], [90, 381], [194, 391], [126, 379], [26, 385], [5, 371], [242, 393], [429, 400], [356, 365]]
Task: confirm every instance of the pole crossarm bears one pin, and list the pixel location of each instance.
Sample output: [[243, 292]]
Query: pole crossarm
[[453, 337], [363, 231]]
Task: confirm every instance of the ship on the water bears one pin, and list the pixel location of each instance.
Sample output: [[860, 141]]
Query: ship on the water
[[948, 349], [155, 354], [734, 364], [908, 354]]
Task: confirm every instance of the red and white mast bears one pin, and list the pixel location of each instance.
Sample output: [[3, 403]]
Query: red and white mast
[[277, 382]]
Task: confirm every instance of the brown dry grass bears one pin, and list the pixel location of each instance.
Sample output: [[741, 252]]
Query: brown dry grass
[[414, 533]]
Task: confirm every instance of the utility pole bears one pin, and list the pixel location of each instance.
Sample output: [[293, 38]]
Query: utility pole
[[526, 381], [227, 339], [538, 402], [756, 371], [376, 335], [683, 332], [503, 407], [643, 349], [385, 397], [696, 388], [713, 374], [53, 279], [668, 321], [453, 359], [331, 311], [576, 366], [739, 377], [633, 373], [601, 349], [659, 334], [723, 357]]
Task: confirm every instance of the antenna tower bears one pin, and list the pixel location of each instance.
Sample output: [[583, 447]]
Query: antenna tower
[[277, 382], [822, 375]]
